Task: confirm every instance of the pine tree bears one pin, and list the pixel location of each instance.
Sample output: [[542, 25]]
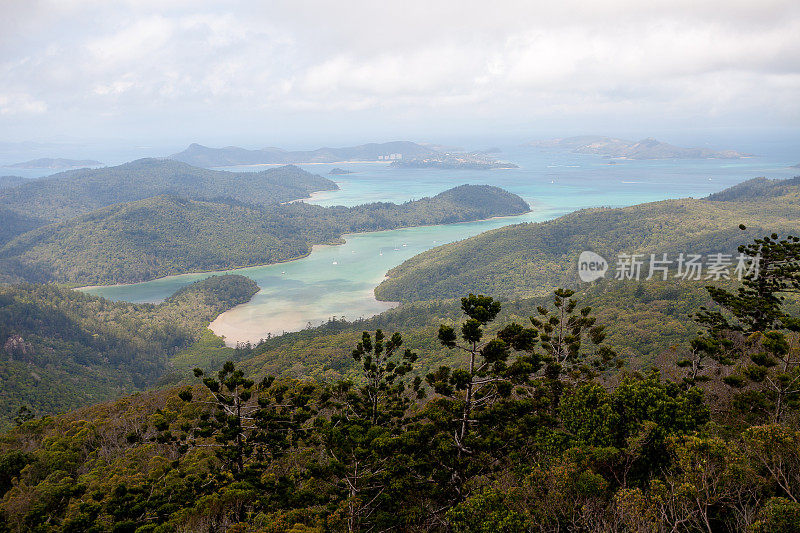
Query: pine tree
[[753, 331]]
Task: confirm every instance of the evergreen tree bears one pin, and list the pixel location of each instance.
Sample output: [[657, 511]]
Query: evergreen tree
[[754, 332], [363, 434]]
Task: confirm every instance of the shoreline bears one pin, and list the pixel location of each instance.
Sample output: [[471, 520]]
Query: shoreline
[[300, 163], [313, 247], [225, 327]]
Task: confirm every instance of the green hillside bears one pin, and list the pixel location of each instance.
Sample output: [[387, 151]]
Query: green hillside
[[757, 188], [498, 422], [532, 259], [13, 224], [645, 321], [166, 235], [61, 349], [11, 181], [72, 193]]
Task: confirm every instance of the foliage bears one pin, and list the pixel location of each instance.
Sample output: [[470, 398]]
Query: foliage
[[166, 235], [243, 452], [753, 330], [70, 349], [526, 260], [75, 192], [13, 224]]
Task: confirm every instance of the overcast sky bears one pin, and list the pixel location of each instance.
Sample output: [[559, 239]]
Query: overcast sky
[[300, 72]]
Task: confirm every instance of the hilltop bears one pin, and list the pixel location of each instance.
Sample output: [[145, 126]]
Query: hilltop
[[146, 239], [57, 163], [72, 193], [645, 149], [204, 156], [527, 260]]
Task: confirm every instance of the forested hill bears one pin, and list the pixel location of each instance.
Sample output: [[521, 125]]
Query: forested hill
[[13, 224], [165, 235], [61, 349], [72, 193], [11, 181], [532, 259], [757, 188], [200, 155]]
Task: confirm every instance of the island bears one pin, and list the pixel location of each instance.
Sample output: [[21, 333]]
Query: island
[[57, 163], [336, 171], [447, 160], [203, 156], [622, 149]]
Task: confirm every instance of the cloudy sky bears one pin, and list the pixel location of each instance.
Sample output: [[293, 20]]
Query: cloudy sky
[[299, 72]]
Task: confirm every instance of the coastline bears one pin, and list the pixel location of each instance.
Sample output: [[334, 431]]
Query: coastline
[[343, 238], [226, 325], [301, 163]]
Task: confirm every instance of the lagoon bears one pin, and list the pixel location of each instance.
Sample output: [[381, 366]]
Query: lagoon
[[339, 280]]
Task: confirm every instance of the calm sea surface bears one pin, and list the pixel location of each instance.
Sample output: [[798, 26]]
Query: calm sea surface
[[339, 280]]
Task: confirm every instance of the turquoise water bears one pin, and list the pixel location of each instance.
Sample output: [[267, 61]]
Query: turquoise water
[[339, 280]]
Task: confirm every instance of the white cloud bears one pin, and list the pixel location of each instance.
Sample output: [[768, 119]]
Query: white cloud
[[514, 59], [20, 104]]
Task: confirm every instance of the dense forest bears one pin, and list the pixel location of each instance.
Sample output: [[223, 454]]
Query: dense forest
[[165, 235], [76, 192], [535, 423], [13, 224], [646, 322], [11, 181], [532, 259], [61, 349]]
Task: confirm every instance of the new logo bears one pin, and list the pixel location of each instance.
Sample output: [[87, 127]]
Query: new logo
[[591, 266]]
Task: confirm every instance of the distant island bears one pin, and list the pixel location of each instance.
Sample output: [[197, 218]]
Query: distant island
[[71, 193], [446, 160], [58, 163], [645, 149], [203, 156], [339, 171], [796, 166]]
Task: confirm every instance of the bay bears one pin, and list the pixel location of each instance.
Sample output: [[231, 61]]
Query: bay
[[338, 281]]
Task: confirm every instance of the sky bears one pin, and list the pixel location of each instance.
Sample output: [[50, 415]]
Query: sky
[[303, 73]]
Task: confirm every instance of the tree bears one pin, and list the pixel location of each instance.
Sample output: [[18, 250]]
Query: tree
[[382, 373], [572, 343], [249, 425], [482, 381], [362, 436], [753, 330], [23, 415]]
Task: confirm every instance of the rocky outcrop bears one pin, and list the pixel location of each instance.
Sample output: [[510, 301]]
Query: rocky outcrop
[[15, 346]]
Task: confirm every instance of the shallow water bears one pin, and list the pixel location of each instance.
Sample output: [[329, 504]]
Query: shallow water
[[339, 280]]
